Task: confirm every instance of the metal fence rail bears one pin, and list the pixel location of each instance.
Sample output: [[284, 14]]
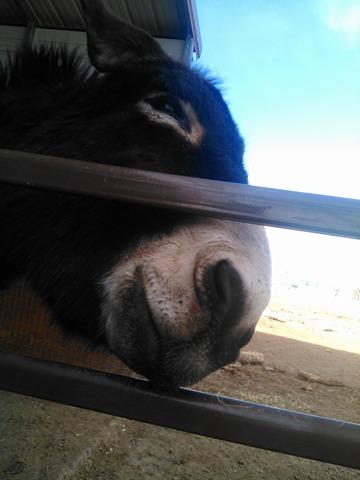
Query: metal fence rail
[[323, 439], [264, 206], [309, 436]]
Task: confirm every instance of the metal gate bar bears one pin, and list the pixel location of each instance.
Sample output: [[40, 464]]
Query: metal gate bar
[[309, 436], [264, 206]]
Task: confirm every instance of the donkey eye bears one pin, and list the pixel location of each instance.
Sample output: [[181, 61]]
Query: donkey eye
[[170, 106]]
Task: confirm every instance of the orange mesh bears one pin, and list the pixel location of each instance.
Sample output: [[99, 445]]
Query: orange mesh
[[26, 328]]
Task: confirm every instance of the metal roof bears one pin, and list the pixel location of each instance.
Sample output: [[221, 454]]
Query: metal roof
[[161, 18]]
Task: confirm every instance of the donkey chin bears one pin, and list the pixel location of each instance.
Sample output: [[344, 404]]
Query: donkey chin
[[182, 306]]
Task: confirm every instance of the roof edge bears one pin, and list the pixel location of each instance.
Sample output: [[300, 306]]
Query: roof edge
[[195, 26]]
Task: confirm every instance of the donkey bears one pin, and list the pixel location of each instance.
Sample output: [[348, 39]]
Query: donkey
[[175, 296]]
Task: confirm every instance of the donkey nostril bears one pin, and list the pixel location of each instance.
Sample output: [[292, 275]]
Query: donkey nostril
[[224, 290], [223, 279]]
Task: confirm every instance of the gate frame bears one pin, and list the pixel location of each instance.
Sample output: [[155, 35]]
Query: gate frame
[[286, 431]]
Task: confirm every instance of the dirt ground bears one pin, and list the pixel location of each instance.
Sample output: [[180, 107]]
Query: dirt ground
[[44, 440]]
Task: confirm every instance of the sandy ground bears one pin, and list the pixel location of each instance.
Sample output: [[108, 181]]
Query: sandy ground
[[44, 440]]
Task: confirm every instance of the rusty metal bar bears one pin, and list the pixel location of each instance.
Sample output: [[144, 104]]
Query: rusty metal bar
[[309, 436], [249, 204]]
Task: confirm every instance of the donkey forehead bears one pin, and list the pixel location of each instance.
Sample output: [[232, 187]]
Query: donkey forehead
[[167, 76], [190, 83]]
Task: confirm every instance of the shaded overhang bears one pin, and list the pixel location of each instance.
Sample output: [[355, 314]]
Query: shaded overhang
[[164, 19]]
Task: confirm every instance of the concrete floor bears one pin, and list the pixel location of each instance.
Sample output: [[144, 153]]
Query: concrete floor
[[42, 440]]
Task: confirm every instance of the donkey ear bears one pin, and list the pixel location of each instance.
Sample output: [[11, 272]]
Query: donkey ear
[[112, 42]]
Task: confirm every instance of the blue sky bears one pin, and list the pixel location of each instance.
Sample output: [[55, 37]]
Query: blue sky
[[291, 76]]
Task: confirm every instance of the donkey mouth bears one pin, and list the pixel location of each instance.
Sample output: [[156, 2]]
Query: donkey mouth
[[131, 332], [149, 332]]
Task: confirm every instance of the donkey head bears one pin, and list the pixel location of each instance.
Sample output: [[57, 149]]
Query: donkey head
[[180, 301], [156, 114]]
